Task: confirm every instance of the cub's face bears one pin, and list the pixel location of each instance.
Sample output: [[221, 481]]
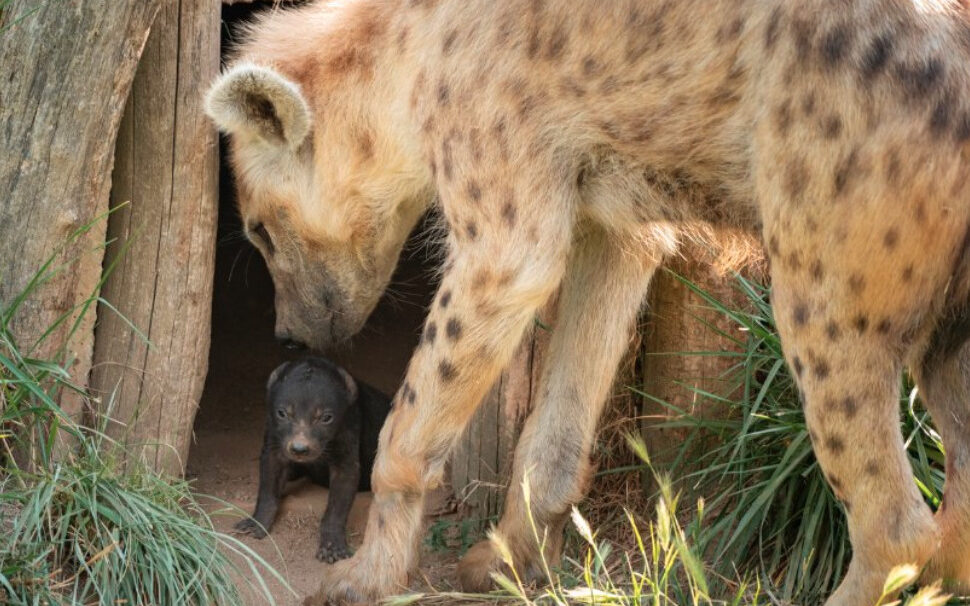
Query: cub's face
[[308, 403], [321, 196]]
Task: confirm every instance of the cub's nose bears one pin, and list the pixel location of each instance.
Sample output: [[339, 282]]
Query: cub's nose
[[299, 448], [289, 343]]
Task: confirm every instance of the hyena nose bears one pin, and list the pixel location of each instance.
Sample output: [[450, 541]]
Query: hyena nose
[[299, 448], [289, 343]]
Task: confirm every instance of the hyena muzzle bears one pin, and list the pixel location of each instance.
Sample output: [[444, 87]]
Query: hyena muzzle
[[568, 145]]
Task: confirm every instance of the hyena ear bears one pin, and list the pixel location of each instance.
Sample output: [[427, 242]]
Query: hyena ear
[[259, 100], [277, 375], [349, 383]]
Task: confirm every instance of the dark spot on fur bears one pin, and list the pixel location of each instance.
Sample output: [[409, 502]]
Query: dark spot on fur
[[836, 45], [843, 171], [920, 79], [832, 126], [808, 104], [856, 283], [941, 116], [773, 246], [453, 329], [796, 178], [962, 129], [876, 55], [783, 117], [444, 94], [474, 191], [890, 238], [803, 31], [590, 66], [872, 468], [797, 366], [817, 271], [472, 229], [849, 407], [449, 44], [919, 212], [883, 326], [446, 370], [835, 444], [430, 332], [860, 323], [794, 261], [508, 214], [445, 299], [832, 331], [821, 369], [907, 274], [771, 30], [557, 43], [800, 314]]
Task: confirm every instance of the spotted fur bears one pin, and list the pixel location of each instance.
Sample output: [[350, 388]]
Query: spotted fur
[[570, 145]]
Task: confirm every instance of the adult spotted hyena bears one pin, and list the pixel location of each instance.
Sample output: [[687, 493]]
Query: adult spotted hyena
[[571, 144]]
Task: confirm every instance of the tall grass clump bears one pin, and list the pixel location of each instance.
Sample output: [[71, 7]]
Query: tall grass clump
[[80, 523], [750, 455]]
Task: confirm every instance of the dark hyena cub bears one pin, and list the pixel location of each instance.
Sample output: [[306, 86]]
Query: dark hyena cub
[[323, 424]]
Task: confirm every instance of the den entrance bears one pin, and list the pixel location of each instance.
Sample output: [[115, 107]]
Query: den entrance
[[228, 430]]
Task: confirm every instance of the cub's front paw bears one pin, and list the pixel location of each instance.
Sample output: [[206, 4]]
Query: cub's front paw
[[333, 550], [251, 527]]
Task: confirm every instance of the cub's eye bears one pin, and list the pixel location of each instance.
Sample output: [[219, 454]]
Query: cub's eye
[[260, 230], [281, 413], [327, 418]]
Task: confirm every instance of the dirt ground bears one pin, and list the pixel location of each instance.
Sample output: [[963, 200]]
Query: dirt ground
[[223, 461]]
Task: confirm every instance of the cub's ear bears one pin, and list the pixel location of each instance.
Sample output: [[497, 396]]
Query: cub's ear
[[277, 375], [259, 100], [349, 383]]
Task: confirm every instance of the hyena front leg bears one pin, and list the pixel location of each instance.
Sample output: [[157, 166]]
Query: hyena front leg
[[943, 383], [601, 295], [848, 374], [494, 285]]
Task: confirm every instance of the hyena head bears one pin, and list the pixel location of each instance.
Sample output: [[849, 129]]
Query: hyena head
[[323, 195]]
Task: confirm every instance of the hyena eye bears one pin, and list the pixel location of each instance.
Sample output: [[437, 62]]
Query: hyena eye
[[261, 231], [281, 413], [327, 418]]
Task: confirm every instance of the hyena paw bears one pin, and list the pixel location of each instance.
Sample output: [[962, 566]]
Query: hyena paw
[[476, 568], [251, 527], [353, 581], [331, 551]]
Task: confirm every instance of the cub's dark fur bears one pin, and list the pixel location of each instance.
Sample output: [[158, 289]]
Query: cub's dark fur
[[324, 424]]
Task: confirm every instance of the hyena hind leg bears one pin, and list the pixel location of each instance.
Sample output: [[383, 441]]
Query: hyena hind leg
[[601, 294], [945, 385]]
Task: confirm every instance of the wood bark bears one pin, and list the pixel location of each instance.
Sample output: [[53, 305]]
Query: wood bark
[[680, 323], [482, 463], [67, 67], [167, 171]]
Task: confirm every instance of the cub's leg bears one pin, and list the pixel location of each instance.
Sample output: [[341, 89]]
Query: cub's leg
[[601, 294], [273, 474], [510, 247], [343, 482], [848, 372], [943, 381]]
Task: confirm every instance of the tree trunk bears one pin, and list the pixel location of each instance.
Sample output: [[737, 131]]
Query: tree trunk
[[67, 67], [167, 168]]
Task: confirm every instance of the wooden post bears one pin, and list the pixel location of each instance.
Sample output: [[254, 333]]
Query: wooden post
[[66, 70], [167, 171], [680, 322]]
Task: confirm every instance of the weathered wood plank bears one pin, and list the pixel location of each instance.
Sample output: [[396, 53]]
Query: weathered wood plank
[[66, 70], [167, 169]]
